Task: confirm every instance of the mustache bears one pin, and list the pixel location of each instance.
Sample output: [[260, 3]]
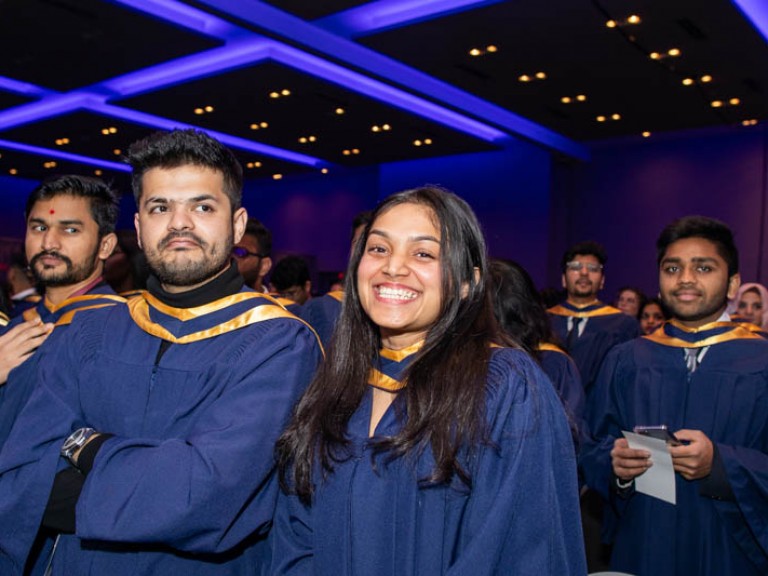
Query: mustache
[[36, 258], [177, 235]]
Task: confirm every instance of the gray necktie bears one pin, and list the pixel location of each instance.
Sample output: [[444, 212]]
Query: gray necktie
[[573, 333], [692, 359]]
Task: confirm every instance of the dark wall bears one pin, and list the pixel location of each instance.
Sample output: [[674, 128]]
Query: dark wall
[[632, 189]]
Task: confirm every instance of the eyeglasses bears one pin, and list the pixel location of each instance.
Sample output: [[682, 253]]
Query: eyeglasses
[[576, 266], [239, 252]]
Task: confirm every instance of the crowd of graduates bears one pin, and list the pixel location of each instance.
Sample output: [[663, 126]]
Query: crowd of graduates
[[174, 403]]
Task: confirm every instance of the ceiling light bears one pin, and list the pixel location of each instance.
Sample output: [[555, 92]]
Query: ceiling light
[[687, 81], [565, 99], [13, 171], [117, 151], [346, 152], [611, 24], [324, 170], [312, 139], [524, 78], [615, 116], [253, 165], [541, 75], [734, 101], [285, 92], [706, 78], [108, 131], [277, 176], [274, 95], [339, 111], [355, 151], [674, 52], [98, 172], [646, 134], [475, 52], [302, 140], [581, 97], [427, 141], [491, 49], [209, 109], [50, 164], [417, 142], [62, 141], [600, 118], [199, 111], [655, 55], [375, 129], [750, 122], [633, 19], [717, 103], [386, 127]]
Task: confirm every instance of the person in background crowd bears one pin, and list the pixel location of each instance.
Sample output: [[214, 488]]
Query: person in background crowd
[[750, 305], [652, 315], [290, 281], [426, 444], [629, 300], [148, 444], [321, 313], [706, 379], [21, 286], [253, 254], [521, 314], [126, 268], [587, 327]]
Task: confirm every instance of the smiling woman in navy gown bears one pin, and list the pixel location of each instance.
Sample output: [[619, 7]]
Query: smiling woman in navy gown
[[428, 443]]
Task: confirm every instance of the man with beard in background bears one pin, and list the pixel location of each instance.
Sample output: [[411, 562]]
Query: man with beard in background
[[588, 329], [147, 448]]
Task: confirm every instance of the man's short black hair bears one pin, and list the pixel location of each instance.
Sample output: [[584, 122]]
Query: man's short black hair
[[710, 229], [289, 271], [101, 198], [182, 148], [263, 236], [586, 248]]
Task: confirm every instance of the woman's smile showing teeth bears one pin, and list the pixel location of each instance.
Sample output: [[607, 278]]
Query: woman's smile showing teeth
[[394, 293]]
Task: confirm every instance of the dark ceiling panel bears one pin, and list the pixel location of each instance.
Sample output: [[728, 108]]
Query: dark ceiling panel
[[8, 100], [64, 44], [241, 98], [570, 43]]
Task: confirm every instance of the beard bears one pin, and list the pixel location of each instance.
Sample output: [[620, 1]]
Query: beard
[[72, 273], [184, 270]]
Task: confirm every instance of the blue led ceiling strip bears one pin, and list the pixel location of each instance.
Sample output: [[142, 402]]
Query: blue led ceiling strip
[[263, 15], [756, 12], [380, 15], [61, 155], [241, 143]]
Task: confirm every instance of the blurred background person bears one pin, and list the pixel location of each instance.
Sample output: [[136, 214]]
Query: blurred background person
[[629, 300], [750, 305], [652, 315]]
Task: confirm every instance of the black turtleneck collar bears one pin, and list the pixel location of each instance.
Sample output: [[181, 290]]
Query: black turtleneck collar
[[226, 284]]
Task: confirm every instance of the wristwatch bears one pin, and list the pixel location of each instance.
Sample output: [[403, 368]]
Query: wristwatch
[[74, 442]]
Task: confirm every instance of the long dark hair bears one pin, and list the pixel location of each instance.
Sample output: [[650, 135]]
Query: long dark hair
[[518, 306], [444, 402]]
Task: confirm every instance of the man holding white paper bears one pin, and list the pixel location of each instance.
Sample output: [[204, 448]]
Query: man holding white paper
[[706, 378]]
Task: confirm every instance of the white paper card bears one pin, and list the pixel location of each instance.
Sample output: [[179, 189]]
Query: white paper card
[[659, 480]]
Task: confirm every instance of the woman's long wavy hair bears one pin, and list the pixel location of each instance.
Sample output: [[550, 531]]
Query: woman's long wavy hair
[[519, 307], [443, 405]]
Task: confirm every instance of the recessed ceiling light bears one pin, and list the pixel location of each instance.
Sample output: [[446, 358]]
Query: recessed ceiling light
[[417, 142], [717, 103], [565, 99], [524, 78], [117, 151], [475, 52], [277, 176], [734, 101], [646, 134], [98, 172], [324, 171], [541, 75], [633, 19], [581, 97], [491, 49], [615, 116], [339, 111], [285, 92], [674, 52], [208, 109], [600, 118], [13, 171], [706, 78], [687, 81], [611, 24]]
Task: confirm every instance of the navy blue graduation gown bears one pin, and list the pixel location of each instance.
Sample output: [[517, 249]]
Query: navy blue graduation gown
[[322, 313], [521, 515], [187, 485], [21, 380], [645, 382], [607, 326]]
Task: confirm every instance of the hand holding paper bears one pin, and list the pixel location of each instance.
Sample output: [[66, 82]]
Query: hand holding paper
[[658, 480]]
